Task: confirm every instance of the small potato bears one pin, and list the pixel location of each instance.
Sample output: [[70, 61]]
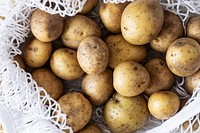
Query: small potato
[[172, 29], [161, 77], [192, 81], [110, 14], [20, 61], [93, 55], [89, 6], [77, 108], [121, 50], [37, 53], [65, 65], [77, 28], [193, 28], [130, 78], [91, 128], [163, 104], [98, 87], [49, 81], [46, 27], [142, 21], [183, 57]]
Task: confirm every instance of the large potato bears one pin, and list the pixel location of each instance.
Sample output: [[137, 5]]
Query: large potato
[[193, 28], [172, 29], [91, 128], [125, 114], [65, 65], [46, 27], [121, 50], [141, 21], [88, 6], [130, 78], [93, 55], [77, 28], [183, 57]]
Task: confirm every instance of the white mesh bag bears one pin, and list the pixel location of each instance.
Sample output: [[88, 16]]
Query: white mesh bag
[[24, 110]]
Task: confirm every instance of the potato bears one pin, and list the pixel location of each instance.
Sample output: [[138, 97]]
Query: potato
[[77, 28], [192, 81], [98, 87], [130, 78], [91, 128], [183, 57], [20, 61], [89, 6], [125, 114], [172, 29], [195, 125], [37, 53], [93, 55], [161, 77], [65, 65], [142, 21], [193, 28], [46, 27], [110, 14], [121, 50], [77, 108], [163, 104], [49, 81]]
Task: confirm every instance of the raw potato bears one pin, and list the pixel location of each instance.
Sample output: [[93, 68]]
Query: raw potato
[[77, 28], [46, 27], [161, 77], [125, 114], [110, 14], [193, 28], [194, 127], [89, 6], [91, 128], [192, 81], [93, 55], [172, 29], [65, 65], [37, 53], [183, 57], [77, 108], [98, 87], [121, 50], [163, 104], [20, 61], [142, 21], [130, 78], [49, 81]]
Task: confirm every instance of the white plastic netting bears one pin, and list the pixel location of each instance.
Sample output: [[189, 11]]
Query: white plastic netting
[[20, 94]]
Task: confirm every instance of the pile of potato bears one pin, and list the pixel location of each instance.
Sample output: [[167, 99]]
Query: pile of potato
[[116, 67]]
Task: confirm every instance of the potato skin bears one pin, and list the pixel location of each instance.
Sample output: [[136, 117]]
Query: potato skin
[[65, 65], [93, 55], [130, 78], [110, 14], [163, 104], [49, 81], [142, 21], [37, 53], [89, 6], [183, 57], [121, 50], [172, 29], [161, 77], [77, 28], [46, 27], [91, 128], [193, 28], [20, 61], [77, 108], [125, 114]]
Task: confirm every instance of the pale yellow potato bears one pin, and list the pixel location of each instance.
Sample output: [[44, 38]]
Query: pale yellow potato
[[37, 53], [77, 28], [125, 114], [46, 27], [142, 21], [110, 14], [64, 64], [193, 28], [20, 61], [89, 6], [183, 57], [121, 50], [77, 108], [163, 104], [172, 29], [91, 128]]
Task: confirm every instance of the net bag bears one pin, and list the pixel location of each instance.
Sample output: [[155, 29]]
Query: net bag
[[25, 110]]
